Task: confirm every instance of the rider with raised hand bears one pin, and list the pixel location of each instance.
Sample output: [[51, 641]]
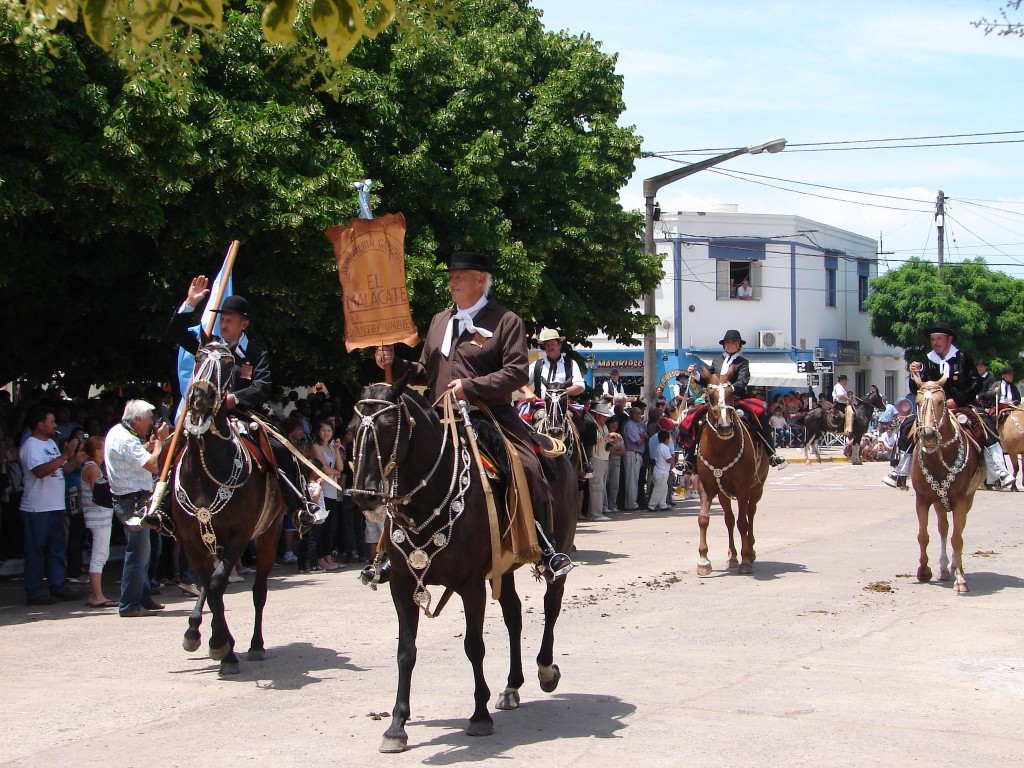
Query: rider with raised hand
[[962, 386], [250, 389], [477, 349], [739, 376]]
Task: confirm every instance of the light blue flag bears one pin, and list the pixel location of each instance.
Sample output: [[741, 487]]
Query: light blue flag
[[186, 360]]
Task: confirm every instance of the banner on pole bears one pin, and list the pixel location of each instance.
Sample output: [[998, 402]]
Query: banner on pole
[[370, 254]]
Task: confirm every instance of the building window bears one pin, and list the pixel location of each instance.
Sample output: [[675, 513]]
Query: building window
[[863, 273], [737, 261], [831, 271], [731, 278]]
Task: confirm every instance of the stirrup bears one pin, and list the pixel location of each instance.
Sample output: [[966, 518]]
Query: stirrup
[[892, 480], [159, 522], [377, 572], [553, 565], [778, 462]]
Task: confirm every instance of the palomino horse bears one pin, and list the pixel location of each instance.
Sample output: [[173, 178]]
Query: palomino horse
[[732, 465], [1011, 437], [818, 421], [222, 500], [421, 474], [946, 471]]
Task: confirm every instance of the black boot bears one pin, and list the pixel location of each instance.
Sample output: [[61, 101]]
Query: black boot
[[377, 572], [160, 519]]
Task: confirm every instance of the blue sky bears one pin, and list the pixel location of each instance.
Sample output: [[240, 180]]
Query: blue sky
[[732, 74]]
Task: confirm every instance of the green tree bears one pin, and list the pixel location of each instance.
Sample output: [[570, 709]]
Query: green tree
[[985, 306], [114, 190]]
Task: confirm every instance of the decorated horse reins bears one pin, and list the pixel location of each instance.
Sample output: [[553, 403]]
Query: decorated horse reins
[[960, 437], [740, 428], [418, 556]]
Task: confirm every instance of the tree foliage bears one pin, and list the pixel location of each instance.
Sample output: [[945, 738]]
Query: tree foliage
[[985, 306], [146, 34], [1005, 27], [114, 190]]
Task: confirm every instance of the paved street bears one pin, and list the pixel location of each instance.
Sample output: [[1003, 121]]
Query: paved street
[[831, 654]]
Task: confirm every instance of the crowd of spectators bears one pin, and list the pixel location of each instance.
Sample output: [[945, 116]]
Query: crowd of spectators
[[317, 424]]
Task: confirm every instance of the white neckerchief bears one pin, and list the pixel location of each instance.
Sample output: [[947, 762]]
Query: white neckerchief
[[943, 362], [465, 318], [727, 360]]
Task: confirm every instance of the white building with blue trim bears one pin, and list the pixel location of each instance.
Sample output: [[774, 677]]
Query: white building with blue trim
[[808, 282]]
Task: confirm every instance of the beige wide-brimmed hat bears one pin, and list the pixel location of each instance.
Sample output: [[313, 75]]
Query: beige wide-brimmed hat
[[549, 334]]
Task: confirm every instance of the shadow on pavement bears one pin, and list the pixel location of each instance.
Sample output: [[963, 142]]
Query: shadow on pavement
[[540, 721], [286, 667]]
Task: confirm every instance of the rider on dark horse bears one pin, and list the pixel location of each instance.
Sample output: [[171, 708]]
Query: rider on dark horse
[[963, 384], [732, 360], [250, 389], [477, 349], [559, 373]]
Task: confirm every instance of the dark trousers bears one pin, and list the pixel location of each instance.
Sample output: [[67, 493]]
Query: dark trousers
[[351, 530], [329, 528], [76, 545], [44, 552]]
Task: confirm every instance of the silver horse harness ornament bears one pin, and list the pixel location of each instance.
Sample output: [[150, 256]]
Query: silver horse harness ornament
[[960, 437], [418, 551], [739, 427]]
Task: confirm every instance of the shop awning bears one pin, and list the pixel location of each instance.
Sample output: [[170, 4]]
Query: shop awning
[[776, 375]]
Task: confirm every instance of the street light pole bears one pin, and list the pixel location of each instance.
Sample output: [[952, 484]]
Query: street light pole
[[651, 187]]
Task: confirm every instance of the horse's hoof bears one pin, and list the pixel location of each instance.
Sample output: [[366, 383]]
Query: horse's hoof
[[944, 574], [924, 575], [393, 744], [481, 728], [218, 654], [228, 668], [961, 588], [257, 654], [745, 568], [704, 568], [191, 644], [733, 563], [507, 699], [549, 677]]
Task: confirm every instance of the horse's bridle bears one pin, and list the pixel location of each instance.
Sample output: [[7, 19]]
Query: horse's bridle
[[388, 472], [208, 372], [721, 405]]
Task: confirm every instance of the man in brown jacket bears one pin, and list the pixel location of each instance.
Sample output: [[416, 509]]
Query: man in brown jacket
[[478, 349]]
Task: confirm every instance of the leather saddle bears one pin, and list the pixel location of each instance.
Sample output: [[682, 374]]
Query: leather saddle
[[257, 443]]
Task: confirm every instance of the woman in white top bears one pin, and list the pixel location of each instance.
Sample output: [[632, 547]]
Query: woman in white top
[[325, 451], [98, 520]]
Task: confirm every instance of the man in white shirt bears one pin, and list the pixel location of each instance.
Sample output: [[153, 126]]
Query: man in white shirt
[[42, 507], [555, 368], [841, 398], [613, 387], [1007, 394]]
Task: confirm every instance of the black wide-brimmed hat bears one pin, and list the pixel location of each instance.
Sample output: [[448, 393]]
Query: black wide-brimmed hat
[[732, 335], [470, 260], [1007, 369], [236, 304], [940, 327]]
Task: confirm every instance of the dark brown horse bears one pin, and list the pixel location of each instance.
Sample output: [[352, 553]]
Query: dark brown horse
[[732, 465], [222, 500], [819, 421], [422, 477], [946, 472]]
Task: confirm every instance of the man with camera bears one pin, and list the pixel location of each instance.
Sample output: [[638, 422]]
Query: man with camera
[[131, 455]]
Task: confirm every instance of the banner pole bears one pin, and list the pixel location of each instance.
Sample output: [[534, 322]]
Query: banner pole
[[161, 486]]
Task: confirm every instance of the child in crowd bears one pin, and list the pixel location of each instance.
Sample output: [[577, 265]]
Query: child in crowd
[[662, 467]]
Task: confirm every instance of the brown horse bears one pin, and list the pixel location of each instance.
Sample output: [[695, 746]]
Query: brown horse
[[732, 465], [946, 471], [222, 500], [421, 475], [1011, 437]]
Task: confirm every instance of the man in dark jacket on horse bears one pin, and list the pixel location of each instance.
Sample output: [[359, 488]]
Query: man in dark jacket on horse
[[250, 389], [962, 386], [478, 349], [739, 376]]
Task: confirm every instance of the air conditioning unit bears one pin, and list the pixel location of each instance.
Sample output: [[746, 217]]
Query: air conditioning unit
[[819, 353], [771, 340]]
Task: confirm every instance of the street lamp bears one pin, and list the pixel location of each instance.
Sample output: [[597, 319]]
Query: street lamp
[[651, 187]]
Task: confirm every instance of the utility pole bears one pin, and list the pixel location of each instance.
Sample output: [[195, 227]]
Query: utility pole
[[940, 221]]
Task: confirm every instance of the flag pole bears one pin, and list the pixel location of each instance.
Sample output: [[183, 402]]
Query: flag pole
[[161, 485]]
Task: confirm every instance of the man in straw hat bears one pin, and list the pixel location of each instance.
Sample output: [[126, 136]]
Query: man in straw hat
[[477, 349], [962, 386], [738, 368]]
